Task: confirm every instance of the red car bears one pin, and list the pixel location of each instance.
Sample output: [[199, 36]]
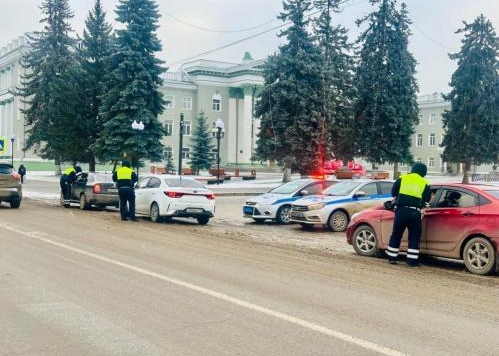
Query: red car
[[462, 222]]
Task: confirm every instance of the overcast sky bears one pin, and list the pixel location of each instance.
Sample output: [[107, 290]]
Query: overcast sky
[[225, 29]]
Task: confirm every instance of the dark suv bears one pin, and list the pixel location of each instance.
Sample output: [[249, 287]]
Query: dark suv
[[10, 185]]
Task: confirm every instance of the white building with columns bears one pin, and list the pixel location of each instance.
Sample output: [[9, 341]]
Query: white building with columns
[[221, 90]]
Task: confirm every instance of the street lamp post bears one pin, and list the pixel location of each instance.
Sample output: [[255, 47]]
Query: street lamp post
[[12, 139], [138, 127], [218, 132], [180, 143]]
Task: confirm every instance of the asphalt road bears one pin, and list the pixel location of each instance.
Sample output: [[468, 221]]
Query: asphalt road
[[84, 283]]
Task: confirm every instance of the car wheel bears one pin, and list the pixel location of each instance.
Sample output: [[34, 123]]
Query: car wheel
[[479, 256], [203, 219], [83, 202], [364, 241], [259, 221], [154, 213], [283, 215], [15, 203], [337, 221]]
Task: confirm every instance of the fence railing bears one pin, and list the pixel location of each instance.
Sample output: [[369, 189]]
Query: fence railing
[[485, 177]]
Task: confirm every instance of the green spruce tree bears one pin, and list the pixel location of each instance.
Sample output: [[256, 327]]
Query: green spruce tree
[[472, 124], [132, 87], [386, 107], [95, 49], [201, 148], [47, 87], [339, 91], [290, 103]]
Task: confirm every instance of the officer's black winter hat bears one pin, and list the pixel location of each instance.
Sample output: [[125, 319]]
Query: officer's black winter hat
[[125, 163], [77, 169], [419, 168]]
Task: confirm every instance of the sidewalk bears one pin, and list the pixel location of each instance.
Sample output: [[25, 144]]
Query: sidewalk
[[263, 183]]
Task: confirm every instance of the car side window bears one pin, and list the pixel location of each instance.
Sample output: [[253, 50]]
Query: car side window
[[370, 189], [142, 183], [314, 188], [154, 183], [451, 198], [386, 187]]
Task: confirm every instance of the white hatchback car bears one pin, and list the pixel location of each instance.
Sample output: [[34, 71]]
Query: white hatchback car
[[166, 196]]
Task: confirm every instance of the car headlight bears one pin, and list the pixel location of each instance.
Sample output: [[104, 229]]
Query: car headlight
[[316, 206]]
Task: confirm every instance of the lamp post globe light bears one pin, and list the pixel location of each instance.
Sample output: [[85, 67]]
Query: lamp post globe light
[[218, 132], [12, 139], [138, 127]]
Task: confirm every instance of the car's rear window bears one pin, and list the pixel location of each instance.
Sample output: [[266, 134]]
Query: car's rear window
[[101, 177], [5, 169], [495, 193], [185, 183]]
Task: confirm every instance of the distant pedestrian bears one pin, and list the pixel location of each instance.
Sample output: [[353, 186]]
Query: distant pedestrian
[[22, 172], [67, 178], [125, 179], [412, 192]]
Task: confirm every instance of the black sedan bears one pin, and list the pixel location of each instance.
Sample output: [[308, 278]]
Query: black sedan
[[94, 189]]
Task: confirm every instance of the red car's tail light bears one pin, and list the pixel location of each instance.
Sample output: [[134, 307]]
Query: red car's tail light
[[174, 194], [96, 189]]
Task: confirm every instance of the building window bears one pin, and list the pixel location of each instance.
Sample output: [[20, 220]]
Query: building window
[[431, 162], [187, 128], [419, 140], [169, 127], [432, 139], [420, 119], [433, 119], [170, 103], [168, 152], [186, 153], [187, 103], [217, 102], [419, 160]]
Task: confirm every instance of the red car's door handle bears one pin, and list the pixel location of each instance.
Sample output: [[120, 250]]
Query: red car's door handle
[[467, 213]]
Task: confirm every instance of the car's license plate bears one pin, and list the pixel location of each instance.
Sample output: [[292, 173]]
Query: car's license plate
[[112, 190], [297, 215], [248, 210], [194, 210]]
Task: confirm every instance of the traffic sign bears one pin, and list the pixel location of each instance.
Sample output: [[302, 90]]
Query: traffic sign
[[3, 145]]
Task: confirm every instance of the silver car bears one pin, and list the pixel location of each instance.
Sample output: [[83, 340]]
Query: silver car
[[10, 185], [93, 189]]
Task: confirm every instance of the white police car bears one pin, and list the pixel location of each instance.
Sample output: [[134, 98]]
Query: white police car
[[276, 203], [335, 206]]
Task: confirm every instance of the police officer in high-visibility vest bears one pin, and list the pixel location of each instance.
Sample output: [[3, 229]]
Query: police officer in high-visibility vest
[[125, 179], [67, 178], [412, 192]]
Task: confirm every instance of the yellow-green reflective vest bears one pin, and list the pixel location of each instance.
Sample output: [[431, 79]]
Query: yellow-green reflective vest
[[124, 173], [69, 171], [413, 185]]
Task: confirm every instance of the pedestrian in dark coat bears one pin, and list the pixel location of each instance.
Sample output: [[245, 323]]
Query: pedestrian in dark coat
[[22, 172]]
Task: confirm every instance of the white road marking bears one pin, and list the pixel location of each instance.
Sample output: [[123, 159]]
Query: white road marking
[[227, 298]]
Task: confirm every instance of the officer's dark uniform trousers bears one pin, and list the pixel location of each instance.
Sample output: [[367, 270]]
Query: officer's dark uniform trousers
[[405, 217]]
